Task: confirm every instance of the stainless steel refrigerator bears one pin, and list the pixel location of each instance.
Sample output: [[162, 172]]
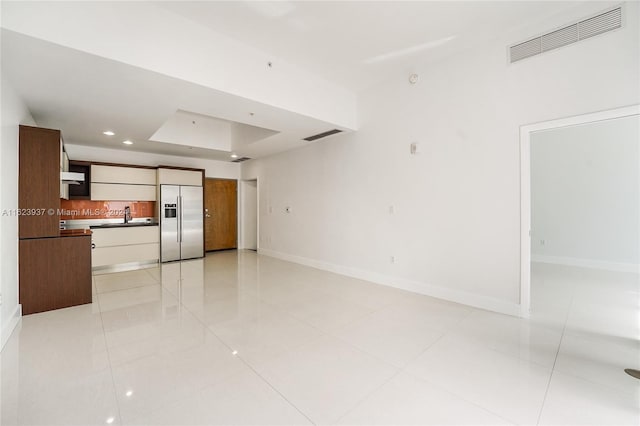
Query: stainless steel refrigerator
[[181, 223]]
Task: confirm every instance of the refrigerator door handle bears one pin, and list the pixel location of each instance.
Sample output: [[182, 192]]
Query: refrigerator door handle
[[179, 211], [181, 217]]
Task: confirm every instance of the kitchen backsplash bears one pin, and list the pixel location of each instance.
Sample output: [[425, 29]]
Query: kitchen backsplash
[[90, 209]]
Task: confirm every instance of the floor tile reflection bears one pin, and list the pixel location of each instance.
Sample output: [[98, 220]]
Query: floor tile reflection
[[241, 338]]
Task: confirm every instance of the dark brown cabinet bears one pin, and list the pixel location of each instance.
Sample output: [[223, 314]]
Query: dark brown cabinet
[[39, 182], [83, 190], [54, 273], [55, 270]]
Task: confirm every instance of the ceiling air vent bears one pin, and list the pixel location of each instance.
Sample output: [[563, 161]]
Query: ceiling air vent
[[240, 160], [586, 28], [322, 135], [559, 38], [526, 49], [600, 24]]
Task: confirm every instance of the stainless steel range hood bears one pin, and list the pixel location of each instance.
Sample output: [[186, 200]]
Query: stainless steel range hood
[[71, 178]]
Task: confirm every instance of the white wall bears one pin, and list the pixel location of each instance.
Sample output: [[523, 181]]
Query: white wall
[[13, 113], [455, 230], [213, 168], [249, 214], [585, 194]]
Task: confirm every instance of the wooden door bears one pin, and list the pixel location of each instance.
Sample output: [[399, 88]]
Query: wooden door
[[221, 214]]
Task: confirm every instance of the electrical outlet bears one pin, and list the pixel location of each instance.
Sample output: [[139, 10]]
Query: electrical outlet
[[392, 209], [542, 242], [0, 298], [393, 259]]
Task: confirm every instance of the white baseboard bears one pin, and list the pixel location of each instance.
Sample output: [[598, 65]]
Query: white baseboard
[[463, 297], [587, 263], [8, 328]]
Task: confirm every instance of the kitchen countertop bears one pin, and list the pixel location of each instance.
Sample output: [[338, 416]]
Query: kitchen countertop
[[88, 223], [121, 225], [75, 233]]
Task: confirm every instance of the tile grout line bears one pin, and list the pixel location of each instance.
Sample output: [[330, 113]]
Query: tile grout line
[[460, 397], [445, 333], [334, 329], [368, 394], [399, 370], [245, 362], [553, 367], [403, 370], [106, 344], [352, 346], [129, 288], [152, 277], [274, 388], [325, 334]]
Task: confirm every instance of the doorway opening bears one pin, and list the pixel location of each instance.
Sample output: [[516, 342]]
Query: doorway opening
[[582, 241], [249, 214], [220, 214]]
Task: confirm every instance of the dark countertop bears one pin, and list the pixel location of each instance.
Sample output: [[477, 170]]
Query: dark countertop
[[121, 225], [75, 233]]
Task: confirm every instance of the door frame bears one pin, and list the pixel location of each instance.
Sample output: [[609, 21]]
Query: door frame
[[525, 186], [241, 211]]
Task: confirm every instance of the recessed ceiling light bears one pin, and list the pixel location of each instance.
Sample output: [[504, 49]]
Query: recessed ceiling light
[[108, 133], [127, 142], [234, 155]]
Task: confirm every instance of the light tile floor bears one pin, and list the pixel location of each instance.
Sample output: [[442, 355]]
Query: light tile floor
[[238, 338]]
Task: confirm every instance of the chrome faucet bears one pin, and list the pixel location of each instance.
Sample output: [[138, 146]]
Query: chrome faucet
[[127, 214]]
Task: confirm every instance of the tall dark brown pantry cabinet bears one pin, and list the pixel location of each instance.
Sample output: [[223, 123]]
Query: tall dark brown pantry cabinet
[[54, 266], [39, 182]]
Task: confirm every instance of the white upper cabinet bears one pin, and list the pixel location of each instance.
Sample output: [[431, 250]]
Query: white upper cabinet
[[179, 177], [117, 174], [122, 192], [119, 183]]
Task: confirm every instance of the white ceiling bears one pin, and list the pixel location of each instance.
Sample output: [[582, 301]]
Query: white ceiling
[[353, 44], [357, 43], [84, 95]]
